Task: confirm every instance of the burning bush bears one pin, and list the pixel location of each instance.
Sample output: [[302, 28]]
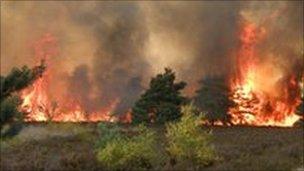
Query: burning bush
[[161, 102], [187, 143], [118, 151]]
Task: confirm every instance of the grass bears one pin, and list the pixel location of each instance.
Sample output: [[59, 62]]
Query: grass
[[60, 146], [251, 148]]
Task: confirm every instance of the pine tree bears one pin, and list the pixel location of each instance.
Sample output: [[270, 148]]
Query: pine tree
[[213, 98], [161, 102], [15, 81]]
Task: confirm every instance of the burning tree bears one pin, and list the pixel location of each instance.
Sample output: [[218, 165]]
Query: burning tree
[[162, 101], [262, 96], [15, 81], [213, 99]]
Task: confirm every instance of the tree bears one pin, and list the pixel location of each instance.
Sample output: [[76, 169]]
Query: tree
[[161, 102], [15, 81], [213, 98]]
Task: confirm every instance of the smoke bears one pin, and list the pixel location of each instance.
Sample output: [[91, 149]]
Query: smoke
[[280, 51], [110, 50], [79, 87], [118, 61], [194, 38], [283, 25]]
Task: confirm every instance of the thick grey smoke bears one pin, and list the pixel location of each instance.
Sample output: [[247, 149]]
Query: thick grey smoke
[[110, 50], [79, 86], [194, 37], [118, 63]]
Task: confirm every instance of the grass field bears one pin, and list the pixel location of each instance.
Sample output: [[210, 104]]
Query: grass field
[[68, 146]]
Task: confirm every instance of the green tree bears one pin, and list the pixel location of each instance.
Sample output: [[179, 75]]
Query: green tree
[[161, 102], [213, 98], [15, 81]]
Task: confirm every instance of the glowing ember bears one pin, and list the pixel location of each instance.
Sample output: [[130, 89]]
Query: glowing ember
[[38, 106], [261, 97]]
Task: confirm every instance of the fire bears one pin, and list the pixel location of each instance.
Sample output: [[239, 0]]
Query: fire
[[38, 105], [262, 96]]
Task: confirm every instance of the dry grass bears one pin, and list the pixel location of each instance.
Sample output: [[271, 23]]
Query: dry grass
[[71, 147], [249, 148]]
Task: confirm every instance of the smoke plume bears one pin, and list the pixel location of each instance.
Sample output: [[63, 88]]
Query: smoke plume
[[110, 50]]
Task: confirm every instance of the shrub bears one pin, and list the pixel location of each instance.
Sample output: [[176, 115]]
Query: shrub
[[9, 108], [108, 134], [187, 143], [118, 151], [10, 116]]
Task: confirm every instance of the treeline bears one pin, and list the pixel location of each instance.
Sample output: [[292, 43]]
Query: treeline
[[163, 100], [160, 103]]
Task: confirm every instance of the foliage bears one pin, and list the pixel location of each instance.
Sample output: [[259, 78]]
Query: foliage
[[118, 151], [213, 98], [108, 134], [9, 108], [187, 143], [10, 114], [161, 102], [16, 80]]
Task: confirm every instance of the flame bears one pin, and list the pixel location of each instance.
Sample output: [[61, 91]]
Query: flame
[[262, 96], [38, 105]]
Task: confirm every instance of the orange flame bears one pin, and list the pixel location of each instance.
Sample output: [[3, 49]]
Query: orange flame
[[37, 104], [260, 97]]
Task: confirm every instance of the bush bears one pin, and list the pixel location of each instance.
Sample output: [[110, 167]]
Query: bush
[[118, 151], [9, 109], [108, 133], [10, 120], [187, 143]]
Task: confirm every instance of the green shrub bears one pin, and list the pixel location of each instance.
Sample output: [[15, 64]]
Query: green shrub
[[9, 108], [10, 120], [108, 134], [187, 142], [118, 151]]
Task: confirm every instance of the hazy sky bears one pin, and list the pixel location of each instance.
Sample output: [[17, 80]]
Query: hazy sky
[[119, 45]]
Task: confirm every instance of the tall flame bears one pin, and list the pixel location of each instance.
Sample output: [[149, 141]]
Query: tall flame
[[38, 106], [261, 97]]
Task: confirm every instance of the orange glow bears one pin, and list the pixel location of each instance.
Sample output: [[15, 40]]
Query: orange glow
[[261, 96], [38, 105]]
